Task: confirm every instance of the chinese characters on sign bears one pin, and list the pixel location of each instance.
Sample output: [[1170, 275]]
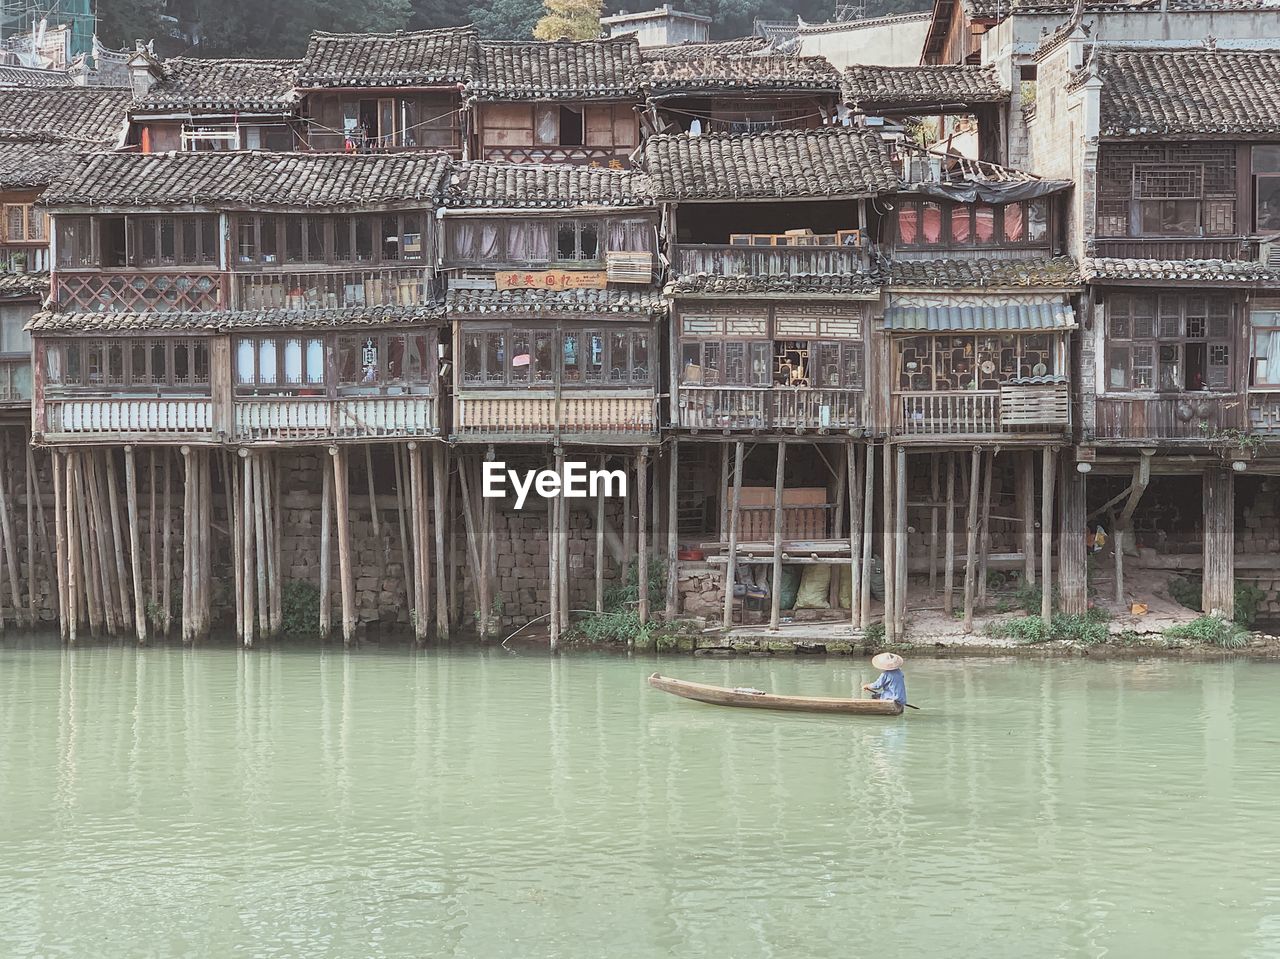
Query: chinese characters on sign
[[551, 279]]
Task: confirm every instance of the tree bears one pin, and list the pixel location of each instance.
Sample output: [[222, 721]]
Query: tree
[[572, 19], [504, 19], [120, 22]]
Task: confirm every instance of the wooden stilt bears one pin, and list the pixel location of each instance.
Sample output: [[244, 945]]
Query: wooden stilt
[[1218, 596], [566, 587], [1141, 479], [10, 543], [60, 537], [491, 557], [1047, 477], [984, 532], [84, 566], [854, 485], [673, 531], [153, 531], [949, 559], [473, 544], [261, 570], [49, 560], [642, 555], [72, 540], [188, 543], [404, 502], [600, 520], [439, 482], [724, 493], [837, 524], [971, 547], [227, 463], [553, 557], [102, 560], [628, 537], [868, 532], [417, 497], [166, 585], [890, 543], [248, 554], [935, 474], [731, 564], [1027, 510], [326, 553], [1073, 576], [277, 542], [30, 488], [342, 514], [135, 544], [900, 549], [117, 539], [775, 590], [373, 493]]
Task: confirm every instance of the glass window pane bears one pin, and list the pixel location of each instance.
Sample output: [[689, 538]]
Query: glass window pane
[[269, 237], [544, 361], [567, 240], [1143, 367], [315, 361], [594, 361], [168, 240], [293, 360], [1013, 223], [1117, 367], [931, 223], [984, 224], [495, 357], [521, 357], [200, 365], [245, 370], [570, 346], [960, 229], [267, 361], [589, 241], [472, 358], [371, 360], [395, 362], [1037, 220], [908, 225], [138, 363], [1170, 366], [640, 357]]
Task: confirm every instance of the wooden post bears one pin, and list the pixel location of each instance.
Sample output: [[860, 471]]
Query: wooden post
[[1141, 478], [342, 514], [1218, 597], [326, 552], [775, 589], [1047, 476], [373, 495], [935, 491], [900, 556], [731, 561], [188, 542], [628, 535], [60, 537], [562, 542], [642, 521], [46, 546], [854, 485], [949, 559], [231, 488], [88, 523], [673, 537], [984, 531], [600, 519], [555, 573], [868, 514], [153, 530], [261, 567], [1072, 558], [971, 548], [267, 520], [30, 486], [11, 544], [439, 481], [473, 545], [837, 522], [1027, 510], [117, 537], [404, 501], [135, 544], [417, 497], [890, 543], [166, 587], [71, 541], [248, 552], [723, 496]]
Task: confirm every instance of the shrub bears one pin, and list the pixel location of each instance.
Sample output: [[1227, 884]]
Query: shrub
[[874, 634], [1089, 629], [1189, 592], [1247, 601], [300, 609], [1211, 631], [1186, 590], [1026, 597], [628, 592]]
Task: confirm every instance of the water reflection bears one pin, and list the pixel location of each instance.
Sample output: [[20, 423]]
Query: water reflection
[[386, 803]]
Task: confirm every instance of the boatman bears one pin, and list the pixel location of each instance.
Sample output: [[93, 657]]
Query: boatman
[[891, 684]]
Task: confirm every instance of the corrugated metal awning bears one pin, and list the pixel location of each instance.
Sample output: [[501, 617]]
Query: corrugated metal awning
[[1048, 315]]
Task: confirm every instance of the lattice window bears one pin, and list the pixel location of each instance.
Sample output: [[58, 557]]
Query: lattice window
[[1188, 349], [1168, 182], [1167, 189]]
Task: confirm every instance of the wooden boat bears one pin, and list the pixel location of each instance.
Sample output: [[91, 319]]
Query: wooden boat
[[756, 699]]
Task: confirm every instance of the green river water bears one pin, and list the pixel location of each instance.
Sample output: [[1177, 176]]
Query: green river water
[[310, 802]]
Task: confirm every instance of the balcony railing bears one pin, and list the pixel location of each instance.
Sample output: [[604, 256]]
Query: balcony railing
[[1190, 248], [733, 260], [136, 292], [1194, 417], [186, 417], [1034, 409], [598, 412], [768, 408], [557, 154], [401, 286], [288, 419]]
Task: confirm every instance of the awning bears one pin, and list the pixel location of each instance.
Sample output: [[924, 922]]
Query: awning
[[965, 318]]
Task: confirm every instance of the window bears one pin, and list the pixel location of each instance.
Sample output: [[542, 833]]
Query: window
[[578, 240], [167, 241], [140, 364], [542, 357], [75, 246], [1167, 189], [982, 361], [280, 362], [22, 223], [1265, 328], [1168, 343], [1266, 187], [13, 337], [387, 238], [923, 223]]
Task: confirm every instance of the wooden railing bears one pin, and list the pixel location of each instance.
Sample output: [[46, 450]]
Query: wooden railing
[[139, 292], [726, 260], [291, 418], [768, 408], [1193, 417], [1037, 409], [598, 412], [1190, 248], [118, 417], [555, 154], [400, 286]]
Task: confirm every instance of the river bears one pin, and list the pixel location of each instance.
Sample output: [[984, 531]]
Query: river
[[312, 802]]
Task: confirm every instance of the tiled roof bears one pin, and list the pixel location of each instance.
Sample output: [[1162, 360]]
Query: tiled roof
[[401, 59], [87, 114], [868, 88], [247, 85], [711, 72], [563, 69], [693, 51], [796, 284], [999, 9], [543, 185], [479, 303], [1151, 92], [822, 162], [844, 26], [1041, 313], [214, 321], [1244, 272], [15, 285], [1058, 272], [249, 179], [29, 164], [11, 76]]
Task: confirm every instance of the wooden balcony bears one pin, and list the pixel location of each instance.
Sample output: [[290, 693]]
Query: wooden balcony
[[763, 408], [291, 419], [727, 260], [116, 419], [1178, 417], [628, 414], [1016, 410], [1188, 248], [334, 289], [135, 291]]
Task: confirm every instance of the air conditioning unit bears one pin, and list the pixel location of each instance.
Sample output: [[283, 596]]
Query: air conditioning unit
[[629, 267]]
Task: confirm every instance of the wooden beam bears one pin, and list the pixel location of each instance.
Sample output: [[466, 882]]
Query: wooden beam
[[971, 543], [775, 598], [732, 557], [342, 514], [135, 544], [1047, 477]]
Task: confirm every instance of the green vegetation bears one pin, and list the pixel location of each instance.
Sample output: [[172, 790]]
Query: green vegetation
[[620, 624], [1026, 597], [1089, 629], [874, 634], [1188, 591], [300, 609], [1210, 631], [569, 19]]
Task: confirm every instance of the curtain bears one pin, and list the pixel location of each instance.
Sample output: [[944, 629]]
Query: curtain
[[488, 240], [517, 240], [462, 239], [618, 236], [539, 240]]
